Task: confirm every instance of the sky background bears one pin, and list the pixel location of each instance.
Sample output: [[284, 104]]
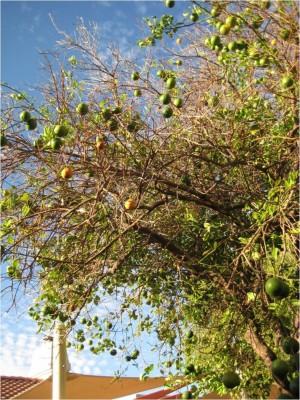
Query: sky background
[[26, 29]]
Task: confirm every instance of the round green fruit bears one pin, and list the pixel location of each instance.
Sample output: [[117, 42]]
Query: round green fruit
[[165, 98], [162, 74], [3, 140], [128, 358], [167, 112], [135, 76], [219, 24], [113, 125], [106, 113], [294, 362], [215, 12], [83, 320], [232, 46], [287, 82], [189, 334], [285, 34], [116, 110], [194, 17], [263, 62], [231, 21], [178, 62], [82, 109], [225, 29], [171, 83], [276, 288], [113, 352], [60, 130], [25, 116], [31, 124], [186, 395], [178, 102], [134, 355], [215, 40], [170, 3], [294, 387], [230, 380], [56, 143], [280, 368], [80, 347], [137, 92], [290, 345]]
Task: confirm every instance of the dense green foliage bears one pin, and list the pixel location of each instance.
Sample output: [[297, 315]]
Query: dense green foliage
[[210, 187]]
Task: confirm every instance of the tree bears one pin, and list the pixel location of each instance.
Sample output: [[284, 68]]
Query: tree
[[181, 212]]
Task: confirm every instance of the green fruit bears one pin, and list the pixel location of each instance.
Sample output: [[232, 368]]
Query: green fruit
[[128, 358], [232, 46], [31, 124], [178, 62], [113, 125], [108, 325], [106, 113], [165, 98], [189, 334], [219, 24], [82, 109], [60, 130], [95, 319], [134, 355], [266, 4], [294, 387], [230, 379], [219, 47], [171, 83], [3, 140], [294, 362], [167, 112], [231, 21], [207, 42], [290, 345], [241, 44], [287, 82], [263, 62], [133, 127], [170, 3], [116, 110], [178, 102], [285, 34], [135, 76], [162, 74], [113, 352], [215, 12], [225, 29], [83, 320], [215, 40], [186, 395], [194, 17], [280, 368], [80, 347], [25, 116], [276, 288], [56, 143], [137, 92]]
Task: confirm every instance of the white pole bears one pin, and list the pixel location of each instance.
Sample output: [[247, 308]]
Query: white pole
[[59, 364]]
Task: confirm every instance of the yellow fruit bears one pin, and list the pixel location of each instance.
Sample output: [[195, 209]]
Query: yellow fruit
[[178, 41], [130, 204], [66, 173]]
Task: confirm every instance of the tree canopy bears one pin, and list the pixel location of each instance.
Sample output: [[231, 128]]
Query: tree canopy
[[165, 182]]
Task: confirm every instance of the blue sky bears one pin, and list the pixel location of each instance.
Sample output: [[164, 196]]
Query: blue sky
[[26, 29]]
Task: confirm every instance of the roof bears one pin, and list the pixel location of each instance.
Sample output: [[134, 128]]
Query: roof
[[13, 385]]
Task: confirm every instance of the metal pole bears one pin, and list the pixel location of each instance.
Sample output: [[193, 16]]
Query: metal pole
[[59, 364]]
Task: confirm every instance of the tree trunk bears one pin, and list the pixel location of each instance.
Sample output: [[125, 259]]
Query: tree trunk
[[259, 347]]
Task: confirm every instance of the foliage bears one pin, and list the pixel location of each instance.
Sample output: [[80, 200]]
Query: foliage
[[212, 190]]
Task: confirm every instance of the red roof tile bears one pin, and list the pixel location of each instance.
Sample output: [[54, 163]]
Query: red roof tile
[[13, 385]]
